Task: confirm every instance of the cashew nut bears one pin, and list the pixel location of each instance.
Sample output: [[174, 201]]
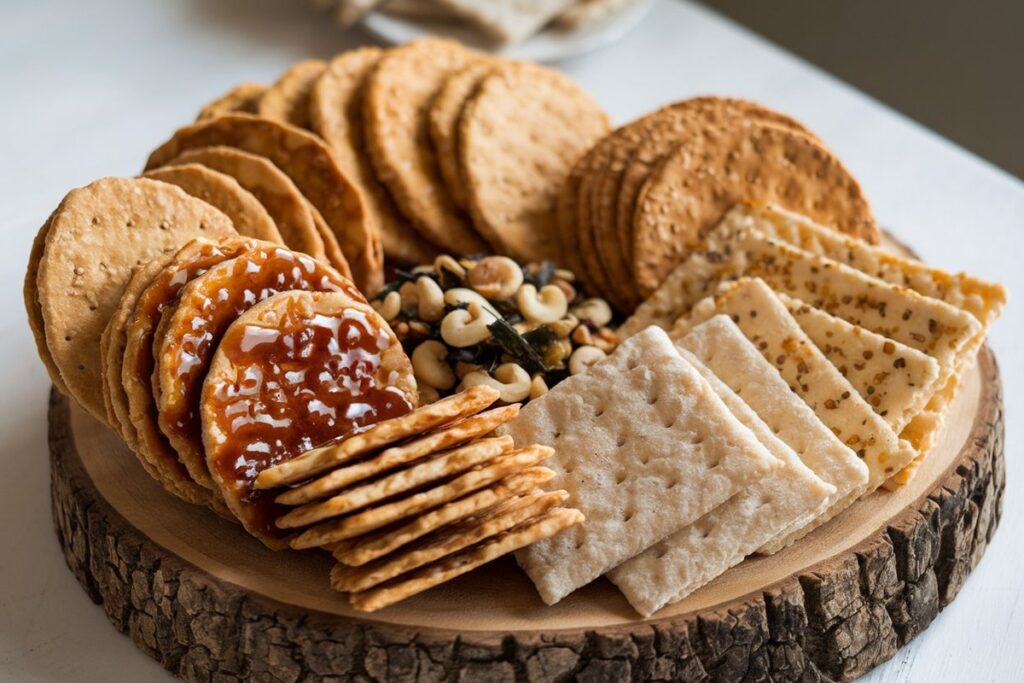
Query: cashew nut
[[431, 299], [538, 387], [427, 394], [461, 295], [565, 274], [389, 307], [496, 277], [596, 311], [545, 306], [446, 262], [429, 365], [583, 357], [566, 287], [466, 327], [509, 379]]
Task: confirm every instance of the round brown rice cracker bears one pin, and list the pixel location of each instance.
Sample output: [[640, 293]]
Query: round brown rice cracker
[[445, 111], [243, 98], [310, 165], [30, 292], [225, 193], [351, 373], [567, 212], [589, 246], [136, 360], [336, 114], [97, 236], [272, 188], [288, 98], [193, 326], [697, 184], [397, 99], [518, 138]]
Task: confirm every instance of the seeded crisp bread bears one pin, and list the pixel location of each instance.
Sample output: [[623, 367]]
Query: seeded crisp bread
[[791, 494], [644, 446]]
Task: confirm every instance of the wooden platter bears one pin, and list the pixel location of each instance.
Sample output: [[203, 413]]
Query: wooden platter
[[207, 601]]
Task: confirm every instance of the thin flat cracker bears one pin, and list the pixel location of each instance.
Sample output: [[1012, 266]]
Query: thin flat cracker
[[447, 541], [242, 98], [225, 193], [550, 524], [644, 446], [288, 98], [686, 560], [308, 162], [332, 249], [518, 138], [98, 235], [30, 292], [423, 419], [393, 457], [440, 466], [404, 508], [396, 102], [336, 114]]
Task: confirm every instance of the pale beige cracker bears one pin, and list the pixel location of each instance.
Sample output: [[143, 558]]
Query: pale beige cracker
[[362, 549], [243, 98], [30, 293], [336, 114], [472, 427], [441, 466], [518, 138], [765, 321], [447, 541], [98, 235], [405, 508], [506, 21], [225, 193], [896, 380], [675, 567], [305, 159], [694, 187], [644, 447], [396, 102], [550, 524], [734, 359], [274, 190], [584, 13], [386, 433], [287, 99], [445, 112]]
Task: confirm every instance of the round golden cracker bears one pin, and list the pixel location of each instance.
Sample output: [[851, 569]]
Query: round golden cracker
[[332, 250], [568, 210], [518, 138], [204, 309], [30, 292], [225, 193], [242, 98], [272, 188], [369, 378], [136, 363], [288, 98], [396, 102], [336, 114], [98, 235], [310, 165], [443, 117], [696, 185], [592, 271]]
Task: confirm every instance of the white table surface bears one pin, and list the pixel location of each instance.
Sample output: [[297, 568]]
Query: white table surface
[[87, 89]]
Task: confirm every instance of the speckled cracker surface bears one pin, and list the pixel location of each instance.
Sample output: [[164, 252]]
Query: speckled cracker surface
[[244, 97], [288, 98], [98, 235], [734, 359], [675, 567], [644, 446]]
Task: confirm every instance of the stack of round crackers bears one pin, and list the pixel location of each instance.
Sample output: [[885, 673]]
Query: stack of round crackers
[[415, 501], [450, 150], [638, 200]]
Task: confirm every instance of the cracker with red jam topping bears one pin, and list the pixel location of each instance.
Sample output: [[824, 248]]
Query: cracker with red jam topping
[[292, 372]]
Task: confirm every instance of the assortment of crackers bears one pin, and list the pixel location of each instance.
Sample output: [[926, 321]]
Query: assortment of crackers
[[777, 365]]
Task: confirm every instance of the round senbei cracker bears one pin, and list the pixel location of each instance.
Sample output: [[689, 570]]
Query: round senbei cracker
[[292, 372], [718, 167], [336, 114], [225, 193], [332, 250], [191, 329], [30, 292], [444, 115], [97, 236], [310, 165], [288, 98], [242, 98], [518, 138], [136, 364], [397, 99], [272, 188]]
